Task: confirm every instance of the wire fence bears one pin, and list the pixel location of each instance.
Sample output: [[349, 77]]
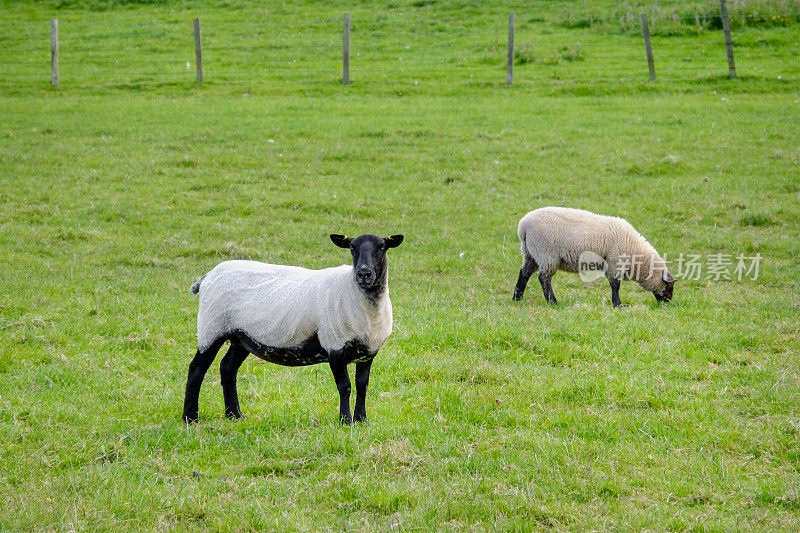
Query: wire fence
[[396, 51]]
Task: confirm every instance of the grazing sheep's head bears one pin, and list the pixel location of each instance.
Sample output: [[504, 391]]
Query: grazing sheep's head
[[369, 258], [664, 292]]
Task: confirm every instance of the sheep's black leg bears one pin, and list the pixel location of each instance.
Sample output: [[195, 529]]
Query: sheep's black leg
[[197, 371], [547, 288], [362, 380], [529, 266], [338, 363], [615, 292], [228, 369]]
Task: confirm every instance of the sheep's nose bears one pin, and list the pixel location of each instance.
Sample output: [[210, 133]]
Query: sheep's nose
[[363, 274]]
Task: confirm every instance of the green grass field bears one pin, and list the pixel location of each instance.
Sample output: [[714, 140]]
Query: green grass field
[[121, 187]]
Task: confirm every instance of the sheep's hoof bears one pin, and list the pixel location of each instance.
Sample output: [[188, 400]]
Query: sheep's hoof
[[516, 297], [345, 420], [189, 419], [233, 415]]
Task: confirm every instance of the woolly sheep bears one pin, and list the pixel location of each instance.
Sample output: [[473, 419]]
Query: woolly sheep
[[294, 316], [559, 238]]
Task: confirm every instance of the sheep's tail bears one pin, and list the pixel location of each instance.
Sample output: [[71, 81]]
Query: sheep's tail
[[521, 234], [196, 285]]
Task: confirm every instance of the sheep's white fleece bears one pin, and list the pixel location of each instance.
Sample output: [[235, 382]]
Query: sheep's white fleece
[[282, 306], [555, 237]]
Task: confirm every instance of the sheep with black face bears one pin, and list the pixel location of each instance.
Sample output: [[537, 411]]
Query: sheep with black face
[[295, 316], [556, 238]]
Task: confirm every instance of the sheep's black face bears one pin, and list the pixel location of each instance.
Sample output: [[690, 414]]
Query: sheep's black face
[[369, 259], [665, 294]]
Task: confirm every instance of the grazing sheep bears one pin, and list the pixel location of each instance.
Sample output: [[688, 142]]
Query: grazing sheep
[[559, 238], [294, 316]]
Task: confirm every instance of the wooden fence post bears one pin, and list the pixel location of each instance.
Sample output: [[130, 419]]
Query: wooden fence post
[[54, 52], [646, 33], [198, 53], [346, 50], [726, 27], [510, 67]]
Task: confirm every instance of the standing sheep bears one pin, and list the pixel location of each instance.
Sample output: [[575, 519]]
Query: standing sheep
[[294, 316], [559, 238]]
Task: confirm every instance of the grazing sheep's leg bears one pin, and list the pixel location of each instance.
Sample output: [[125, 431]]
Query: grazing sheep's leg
[[529, 266], [338, 363], [547, 287], [362, 380], [228, 369], [197, 371], [615, 283]]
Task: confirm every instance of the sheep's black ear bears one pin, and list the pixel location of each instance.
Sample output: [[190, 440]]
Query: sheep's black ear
[[342, 241], [393, 242], [667, 277]]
